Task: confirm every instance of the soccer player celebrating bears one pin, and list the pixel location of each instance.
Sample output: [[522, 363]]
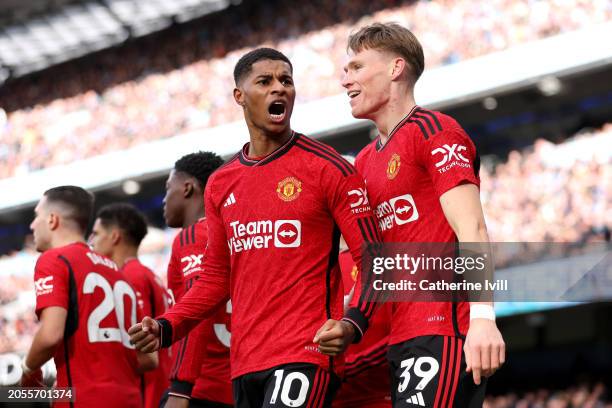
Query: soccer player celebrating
[[81, 303], [422, 177], [275, 212], [117, 233], [201, 368]]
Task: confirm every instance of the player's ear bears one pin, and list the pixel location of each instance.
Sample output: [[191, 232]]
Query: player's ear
[[115, 236], [239, 96], [397, 68], [188, 189], [53, 221]]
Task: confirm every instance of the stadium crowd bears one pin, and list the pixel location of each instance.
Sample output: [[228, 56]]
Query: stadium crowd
[[578, 396], [179, 81], [526, 197]]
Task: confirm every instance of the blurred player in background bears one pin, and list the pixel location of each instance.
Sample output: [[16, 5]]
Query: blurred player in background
[[81, 303], [366, 375], [117, 233], [425, 168], [275, 212], [201, 366]]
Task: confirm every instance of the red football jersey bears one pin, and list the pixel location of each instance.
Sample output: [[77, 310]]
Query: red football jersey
[[201, 366], [152, 300], [274, 228], [366, 376], [426, 155], [95, 357]]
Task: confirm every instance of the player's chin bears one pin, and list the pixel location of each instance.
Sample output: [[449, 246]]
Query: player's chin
[[277, 127], [358, 113]]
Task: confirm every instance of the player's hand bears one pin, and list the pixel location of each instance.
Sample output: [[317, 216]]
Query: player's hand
[[33, 379], [334, 337], [176, 402], [146, 335], [485, 350]]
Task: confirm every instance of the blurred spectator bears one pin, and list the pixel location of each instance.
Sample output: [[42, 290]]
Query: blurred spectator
[[552, 193], [581, 396], [177, 81]]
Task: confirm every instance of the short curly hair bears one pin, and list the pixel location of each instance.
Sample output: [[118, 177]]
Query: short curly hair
[[127, 218], [199, 165], [245, 63]]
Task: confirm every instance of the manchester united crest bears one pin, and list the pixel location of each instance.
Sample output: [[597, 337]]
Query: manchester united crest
[[394, 166], [289, 189]]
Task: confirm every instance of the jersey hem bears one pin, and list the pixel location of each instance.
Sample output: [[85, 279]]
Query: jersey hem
[[274, 363], [410, 336]]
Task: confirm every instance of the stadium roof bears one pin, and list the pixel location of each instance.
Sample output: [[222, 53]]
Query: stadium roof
[[74, 30], [13, 10]]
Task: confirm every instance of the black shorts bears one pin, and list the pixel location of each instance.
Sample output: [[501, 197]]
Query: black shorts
[[291, 385], [429, 371]]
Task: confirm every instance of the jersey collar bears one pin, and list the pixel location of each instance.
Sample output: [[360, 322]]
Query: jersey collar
[[379, 145], [281, 150]]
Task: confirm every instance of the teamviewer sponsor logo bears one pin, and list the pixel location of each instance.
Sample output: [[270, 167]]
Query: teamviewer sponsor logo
[[397, 211], [450, 156], [359, 203], [44, 285], [404, 209], [287, 234], [263, 234]]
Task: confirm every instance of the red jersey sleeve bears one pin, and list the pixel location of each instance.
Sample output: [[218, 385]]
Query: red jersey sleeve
[[211, 290], [51, 282], [174, 273], [450, 158], [348, 202]]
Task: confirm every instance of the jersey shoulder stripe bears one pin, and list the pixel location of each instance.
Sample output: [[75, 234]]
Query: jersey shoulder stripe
[[427, 122], [346, 171], [432, 115], [421, 126], [323, 156], [329, 149]]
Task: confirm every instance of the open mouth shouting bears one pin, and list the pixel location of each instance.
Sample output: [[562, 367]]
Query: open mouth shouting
[[277, 111]]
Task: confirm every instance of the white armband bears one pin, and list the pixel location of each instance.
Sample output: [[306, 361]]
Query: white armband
[[479, 311]]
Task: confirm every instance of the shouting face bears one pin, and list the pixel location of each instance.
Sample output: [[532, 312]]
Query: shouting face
[[267, 95]]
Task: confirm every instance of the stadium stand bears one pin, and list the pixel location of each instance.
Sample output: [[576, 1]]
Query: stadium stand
[[525, 197], [582, 395], [105, 106]]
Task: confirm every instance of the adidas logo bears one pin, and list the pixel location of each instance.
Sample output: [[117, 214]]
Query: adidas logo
[[230, 200], [416, 399]]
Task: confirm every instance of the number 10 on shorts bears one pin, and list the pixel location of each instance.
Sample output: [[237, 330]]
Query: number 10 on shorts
[[284, 386]]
